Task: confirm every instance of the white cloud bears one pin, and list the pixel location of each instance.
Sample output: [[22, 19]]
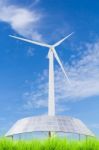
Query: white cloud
[[84, 76], [22, 20], [30, 52], [95, 125], [31, 99], [61, 108]]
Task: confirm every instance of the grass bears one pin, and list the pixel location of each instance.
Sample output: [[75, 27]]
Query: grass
[[49, 144]]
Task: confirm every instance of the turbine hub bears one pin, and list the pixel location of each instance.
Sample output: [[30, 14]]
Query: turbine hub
[[52, 47]]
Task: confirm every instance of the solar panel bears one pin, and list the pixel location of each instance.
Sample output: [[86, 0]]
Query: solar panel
[[49, 123]]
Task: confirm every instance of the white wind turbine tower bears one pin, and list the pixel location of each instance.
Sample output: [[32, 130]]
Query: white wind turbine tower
[[51, 54]]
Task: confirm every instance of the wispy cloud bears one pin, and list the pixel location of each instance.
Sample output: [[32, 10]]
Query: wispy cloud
[[84, 76], [30, 52], [24, 21], [95, 125]]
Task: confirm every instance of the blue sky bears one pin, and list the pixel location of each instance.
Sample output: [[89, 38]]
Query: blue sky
[[24, 67]]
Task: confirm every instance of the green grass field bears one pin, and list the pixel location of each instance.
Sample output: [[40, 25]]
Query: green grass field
[[49, 144]]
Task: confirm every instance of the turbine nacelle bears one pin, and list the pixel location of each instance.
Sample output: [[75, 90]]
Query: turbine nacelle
[[51, 48]]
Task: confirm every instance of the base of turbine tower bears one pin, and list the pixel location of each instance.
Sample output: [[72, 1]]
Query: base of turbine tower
[[49, 134], [49, 124]]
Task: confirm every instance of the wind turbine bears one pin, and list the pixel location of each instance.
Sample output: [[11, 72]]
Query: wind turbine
[[51, 123], [51, 54]]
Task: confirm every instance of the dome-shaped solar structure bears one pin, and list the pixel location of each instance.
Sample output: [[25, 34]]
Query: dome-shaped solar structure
[[49, 124]]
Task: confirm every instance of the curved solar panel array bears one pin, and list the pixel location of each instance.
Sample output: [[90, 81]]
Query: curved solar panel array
[[49, 123]]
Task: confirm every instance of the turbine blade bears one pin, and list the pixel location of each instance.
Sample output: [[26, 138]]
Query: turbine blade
[[59, 42], [61, 65], [30, 41]]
